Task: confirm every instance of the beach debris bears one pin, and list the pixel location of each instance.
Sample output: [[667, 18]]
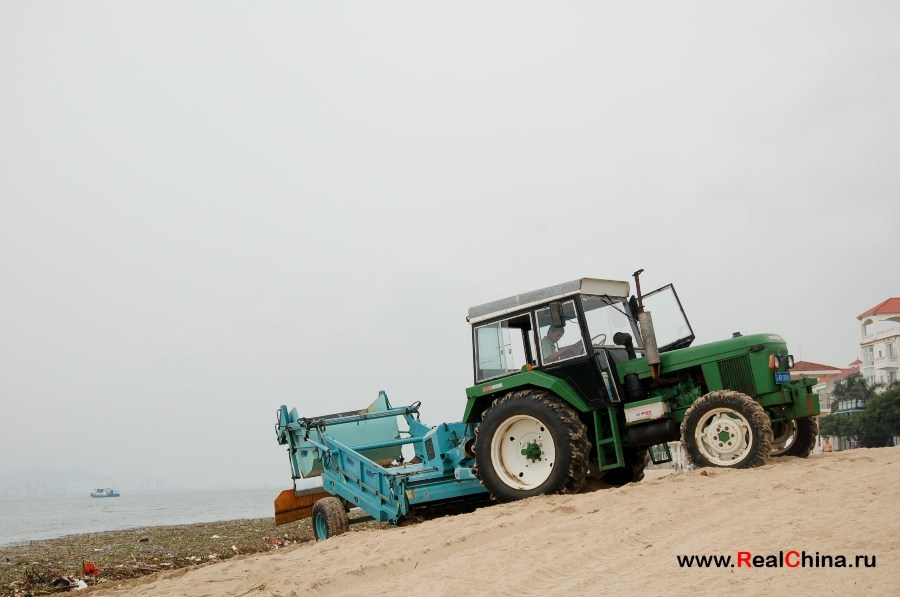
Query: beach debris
[[212, 556], [122, 553], [68, 583], [143, 539], [215, 537], [38, 575], [90, 569], [148, 568], [234, 549]]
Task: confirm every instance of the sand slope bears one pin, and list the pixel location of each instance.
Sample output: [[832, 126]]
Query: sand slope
[[607, 541]]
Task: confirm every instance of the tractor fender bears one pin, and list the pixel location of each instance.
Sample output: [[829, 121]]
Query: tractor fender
[[481, 396]]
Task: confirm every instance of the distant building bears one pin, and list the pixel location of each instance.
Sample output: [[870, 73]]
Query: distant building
[[848, 404], [880, 339], [826, 374]]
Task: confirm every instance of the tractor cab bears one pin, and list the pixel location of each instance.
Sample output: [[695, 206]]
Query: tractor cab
[[578, 331]]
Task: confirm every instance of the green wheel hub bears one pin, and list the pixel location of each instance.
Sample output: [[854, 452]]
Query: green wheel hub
[[532, 451]]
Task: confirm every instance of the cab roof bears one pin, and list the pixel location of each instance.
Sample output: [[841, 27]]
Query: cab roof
[[596, 286]]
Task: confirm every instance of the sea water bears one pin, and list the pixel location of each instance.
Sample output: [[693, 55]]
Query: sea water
[[28, 519]]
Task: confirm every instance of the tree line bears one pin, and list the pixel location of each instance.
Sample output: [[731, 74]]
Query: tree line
[[872, 426]]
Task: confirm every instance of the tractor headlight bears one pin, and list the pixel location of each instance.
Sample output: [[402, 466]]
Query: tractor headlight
[[790, 361]]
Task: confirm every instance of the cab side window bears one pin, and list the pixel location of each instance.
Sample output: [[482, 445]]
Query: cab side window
[[503, 347], [559, 344]]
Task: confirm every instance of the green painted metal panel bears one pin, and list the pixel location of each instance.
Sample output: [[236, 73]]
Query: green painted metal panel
[[707, 354], [484, 393]]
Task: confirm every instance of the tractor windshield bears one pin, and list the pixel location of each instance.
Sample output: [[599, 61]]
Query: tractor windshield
[[669, 321], [606, 316]]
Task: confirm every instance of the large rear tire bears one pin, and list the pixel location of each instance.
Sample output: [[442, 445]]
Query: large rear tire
[[329, 518], [633, 471], [727, 429], [530, 443], [797, 438]]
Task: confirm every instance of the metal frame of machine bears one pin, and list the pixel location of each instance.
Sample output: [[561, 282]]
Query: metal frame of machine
[[439, 475], [542, 426]]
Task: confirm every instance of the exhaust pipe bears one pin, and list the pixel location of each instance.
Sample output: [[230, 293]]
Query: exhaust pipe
[[645, 325]]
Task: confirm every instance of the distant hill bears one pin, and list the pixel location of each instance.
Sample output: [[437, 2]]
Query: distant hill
[[44, 481]]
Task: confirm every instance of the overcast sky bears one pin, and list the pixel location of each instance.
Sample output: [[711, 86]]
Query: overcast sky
[[210, 209]]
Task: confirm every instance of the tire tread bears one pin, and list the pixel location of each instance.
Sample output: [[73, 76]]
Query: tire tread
[[737, 401], [575, 429], [336, 520]]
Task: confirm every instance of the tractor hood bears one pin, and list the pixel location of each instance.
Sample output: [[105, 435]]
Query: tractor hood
[[705, 353]]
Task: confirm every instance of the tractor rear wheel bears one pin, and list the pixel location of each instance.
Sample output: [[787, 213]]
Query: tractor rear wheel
[[530, 443], [797, 438], [329, 518], [633, 471], [727, 429]]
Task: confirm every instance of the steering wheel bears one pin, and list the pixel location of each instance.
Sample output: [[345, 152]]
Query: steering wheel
[[597, 336]]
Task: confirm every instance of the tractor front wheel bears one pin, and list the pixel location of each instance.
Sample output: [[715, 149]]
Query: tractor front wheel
[[531, 443], [797, 438], [329, 518], [727, 429]]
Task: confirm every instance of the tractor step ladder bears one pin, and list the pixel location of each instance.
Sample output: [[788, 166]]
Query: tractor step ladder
[[609, 443]]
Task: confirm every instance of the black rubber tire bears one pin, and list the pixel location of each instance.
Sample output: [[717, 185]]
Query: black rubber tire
[[805, 440], [570, 442], [633, 471], [760, 440], [329, 518]]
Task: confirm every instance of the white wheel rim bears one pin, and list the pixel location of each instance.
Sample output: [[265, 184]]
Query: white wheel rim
[[522, 452], [783, 442], [723, 436]]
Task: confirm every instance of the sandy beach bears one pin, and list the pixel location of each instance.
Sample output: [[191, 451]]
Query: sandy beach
[[839, 505]]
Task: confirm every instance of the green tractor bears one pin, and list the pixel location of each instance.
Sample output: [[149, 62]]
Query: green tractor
[[578, 379]]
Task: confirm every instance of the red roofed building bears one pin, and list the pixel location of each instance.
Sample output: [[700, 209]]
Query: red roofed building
[[806, 368], [827, 375], [880, 340], [889, 306]]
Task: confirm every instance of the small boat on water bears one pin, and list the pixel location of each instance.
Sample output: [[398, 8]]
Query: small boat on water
[[105, 492]]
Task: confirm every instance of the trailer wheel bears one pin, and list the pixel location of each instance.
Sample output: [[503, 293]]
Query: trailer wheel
[[797, 438], [329, 518], [531, 443], [633, 471], [727, 429]]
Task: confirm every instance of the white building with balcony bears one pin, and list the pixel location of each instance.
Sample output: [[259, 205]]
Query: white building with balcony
[[880, 333]]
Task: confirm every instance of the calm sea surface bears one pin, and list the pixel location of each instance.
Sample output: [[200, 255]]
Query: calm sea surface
[[48, 517]]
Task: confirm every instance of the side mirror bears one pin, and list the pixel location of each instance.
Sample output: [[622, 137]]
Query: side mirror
[[556, 315], [634, 306]]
